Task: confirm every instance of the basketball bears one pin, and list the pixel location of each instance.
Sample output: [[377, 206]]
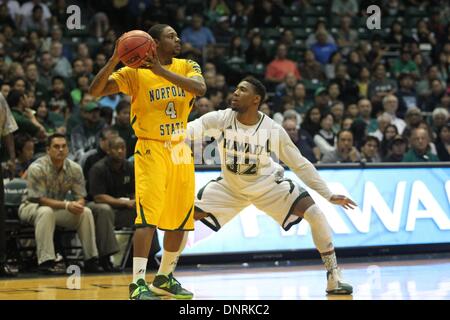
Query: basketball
[[134, 46]]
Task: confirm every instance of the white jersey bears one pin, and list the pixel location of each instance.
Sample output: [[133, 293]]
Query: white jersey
[[246, 152]]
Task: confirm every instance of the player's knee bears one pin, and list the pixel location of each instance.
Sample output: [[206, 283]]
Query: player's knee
[[302, 205]]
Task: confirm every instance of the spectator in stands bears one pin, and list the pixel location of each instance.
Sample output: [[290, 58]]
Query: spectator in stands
[[93, 156], [310, 69], [45, 117], [59, 100], [390, 106], [256, 53], [281, 66], [303, 140], [49, 180], [347, 86], [123, 126], [264, 108], [321, 25], [439, 117], [420, 149], [406, 94], [443, 143], [424, 86], [7, 127], [423, 35], [404, 64], [324, 139], [19, 85], [377, 52], [421, 63], [330, 67], [75, 116], [197, 35], [301, 103], [81, 88], [344, 7], [24, 116], [390, 131], [32, 81], [444, 66], [5, 88], [62, 66], [413, 118], [337, 110], [363, 82], [24, 145], [365, 115], [84, 137], [46, 71], [396, 37], [239, 18], [355, 64], [266, 14], [347, 123], [82, 51], [222, 31], [311, 122], [323, 49], [285, 88], [333, 92], [287, 109], [5, 18], [379, 87], [322, 99], [397, 149], [344, 151], [369, 149], [35, 22], [433, 100], [352, 111], [383, 120], [347, 38], [26, 10]]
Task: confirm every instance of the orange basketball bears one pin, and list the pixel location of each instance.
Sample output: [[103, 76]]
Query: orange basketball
[[134, 46]]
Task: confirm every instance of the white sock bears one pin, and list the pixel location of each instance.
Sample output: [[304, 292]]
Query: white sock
[[329, 261], [168, 262], [139, 268], [170, 259], [320, 229]]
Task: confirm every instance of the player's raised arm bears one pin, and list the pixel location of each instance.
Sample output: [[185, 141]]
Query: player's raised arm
[[291, 156], [103, 85]]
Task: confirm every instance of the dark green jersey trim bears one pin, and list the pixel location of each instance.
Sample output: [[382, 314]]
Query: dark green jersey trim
[[187, 217]]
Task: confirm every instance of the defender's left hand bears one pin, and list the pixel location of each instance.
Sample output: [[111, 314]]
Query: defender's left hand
[[343, 201]]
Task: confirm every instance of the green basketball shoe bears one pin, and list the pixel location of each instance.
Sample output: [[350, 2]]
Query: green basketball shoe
[[140, 291], [335, 283], [170, 287]]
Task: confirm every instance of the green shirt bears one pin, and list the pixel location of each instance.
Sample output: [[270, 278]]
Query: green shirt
[[25, 125], [412, 156]]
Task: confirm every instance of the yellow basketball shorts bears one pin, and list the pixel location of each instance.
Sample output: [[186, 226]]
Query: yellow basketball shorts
[[165, 185]]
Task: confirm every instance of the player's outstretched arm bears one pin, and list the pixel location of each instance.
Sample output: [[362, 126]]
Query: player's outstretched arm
[[343, 201], [195, 84], [102, 85]]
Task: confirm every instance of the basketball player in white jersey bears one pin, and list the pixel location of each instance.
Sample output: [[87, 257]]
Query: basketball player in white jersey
[[246, 139]]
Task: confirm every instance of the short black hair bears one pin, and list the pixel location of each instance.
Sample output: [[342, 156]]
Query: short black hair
[[370, 138], [342, 131], [54, 78], [55, 136], [14, 97], [105, 131], [258, 87], [20, 140], [123, 104], [156, 31]]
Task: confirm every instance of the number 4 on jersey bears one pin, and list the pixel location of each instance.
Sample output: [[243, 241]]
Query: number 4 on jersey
[[170, 110]]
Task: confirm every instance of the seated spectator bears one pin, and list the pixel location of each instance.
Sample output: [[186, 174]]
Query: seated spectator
[[337, 110], [266, 14], [311, 122], [347, 37], [344, 151], [280, 67], [24, 145], [311, 69], [390, 106], [197, 35], [24, 116], [383, 121], [62, 66], [264, 108], [330, 67], [303, 140], [112, 188], [95, 155], [406, 94], [344, 8], [333, 92], [424, 86], [324, 139], [256, 53], [365, 114], [396, 150], [81, 88], [35, 22], [46, 72], [239, 18], [420, 149], [434, 98], [390, 131], [405, 64], [413, 118], [347, 87], [363, 82], [32, 81], [443, 143], [440, 117], [75, 118], [59, 101], [84, 137], [379, 87], [202, 106], [46, 205], [352, 111], [323, 49], [301, 103], [322, 99], [321, 26], [369, 149], [123, 126], [285, 88]]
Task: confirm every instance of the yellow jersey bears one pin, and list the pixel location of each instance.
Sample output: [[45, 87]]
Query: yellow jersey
[[159, 108]]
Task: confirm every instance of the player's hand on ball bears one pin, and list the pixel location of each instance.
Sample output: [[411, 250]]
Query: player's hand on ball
[[343, 201], [152, 62]]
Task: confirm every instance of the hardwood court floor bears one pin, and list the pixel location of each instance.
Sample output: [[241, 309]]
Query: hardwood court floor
[[414, 279]]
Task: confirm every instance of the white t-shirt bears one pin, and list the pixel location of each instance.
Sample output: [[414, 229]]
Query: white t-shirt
[[246, 151]]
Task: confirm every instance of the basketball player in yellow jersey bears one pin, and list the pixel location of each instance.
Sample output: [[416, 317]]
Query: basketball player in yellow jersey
[[163, 92]]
